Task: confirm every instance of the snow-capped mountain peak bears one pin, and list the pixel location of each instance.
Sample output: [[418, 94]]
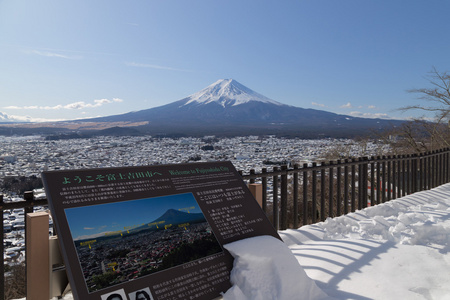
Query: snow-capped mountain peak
[[227, 92]]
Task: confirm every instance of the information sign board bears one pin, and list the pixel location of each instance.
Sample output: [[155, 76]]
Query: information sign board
[[152, 232]]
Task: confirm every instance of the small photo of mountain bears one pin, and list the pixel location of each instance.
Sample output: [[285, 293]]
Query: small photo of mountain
[[122, 241]]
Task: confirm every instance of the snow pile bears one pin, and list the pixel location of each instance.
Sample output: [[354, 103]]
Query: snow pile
[[417, 219], [396, 250], [264, 268]]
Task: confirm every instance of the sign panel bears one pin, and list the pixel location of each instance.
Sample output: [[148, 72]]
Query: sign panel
[[152, 232]]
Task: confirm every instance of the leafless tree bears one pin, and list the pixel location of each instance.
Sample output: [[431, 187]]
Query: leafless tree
[[438, 96], [421, 134]]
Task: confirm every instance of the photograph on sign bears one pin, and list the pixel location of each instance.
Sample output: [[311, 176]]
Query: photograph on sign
[[121, 241], [143, 294]]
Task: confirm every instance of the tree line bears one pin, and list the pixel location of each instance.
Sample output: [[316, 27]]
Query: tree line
[[19, 185]]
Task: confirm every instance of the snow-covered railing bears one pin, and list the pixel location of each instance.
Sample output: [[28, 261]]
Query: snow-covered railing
[[313, 192]]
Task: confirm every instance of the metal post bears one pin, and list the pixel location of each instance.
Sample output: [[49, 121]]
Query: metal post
[[322, 192], [389, 178], [330, 191], [314, 194], [378, 185], [421, 173], [383, 180], [275, 200], [364, 180], [404, 175], [264, 191], [284, 187], [415, 172], [305, 195], [360, 184], [353, 187], [408, 172], [399, 178], [372, 181], [295, 194], [252, 172], [338, 191], [346, 197], [395, 177]]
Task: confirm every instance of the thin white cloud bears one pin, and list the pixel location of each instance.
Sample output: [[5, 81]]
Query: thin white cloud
[[88, 228], [348, 105], [17, 118], [317, 104], [77, 53], [150, 66], [74, 105], [371, 107], [52, 54], [370, 115]]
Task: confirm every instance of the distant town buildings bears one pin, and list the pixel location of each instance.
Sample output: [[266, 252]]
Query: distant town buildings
[[31, 155]]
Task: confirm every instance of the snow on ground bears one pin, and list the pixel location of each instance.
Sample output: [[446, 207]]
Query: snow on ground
[[396, 250], [263, 268]]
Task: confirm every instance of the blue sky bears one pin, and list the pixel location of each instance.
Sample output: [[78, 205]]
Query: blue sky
[[80, 59], [95, 220]]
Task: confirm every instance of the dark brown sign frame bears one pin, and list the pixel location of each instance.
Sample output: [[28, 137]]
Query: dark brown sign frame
[[152, 232]]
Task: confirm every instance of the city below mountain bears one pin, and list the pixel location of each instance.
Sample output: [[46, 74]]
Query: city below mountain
[[225, 108]]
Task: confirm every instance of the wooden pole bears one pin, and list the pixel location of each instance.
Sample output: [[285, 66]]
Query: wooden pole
[[257, 192], [38, 273]]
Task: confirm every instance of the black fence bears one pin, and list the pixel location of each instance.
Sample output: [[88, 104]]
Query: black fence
[[295, 196], [300, 195]]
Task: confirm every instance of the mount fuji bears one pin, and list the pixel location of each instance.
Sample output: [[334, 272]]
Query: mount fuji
[[228, 108], [225, 102]]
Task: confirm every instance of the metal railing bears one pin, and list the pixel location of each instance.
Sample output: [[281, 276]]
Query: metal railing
[[313, 192], [295, 196]]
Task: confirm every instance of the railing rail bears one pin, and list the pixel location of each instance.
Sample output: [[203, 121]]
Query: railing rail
[[311, 192], [315, 191]]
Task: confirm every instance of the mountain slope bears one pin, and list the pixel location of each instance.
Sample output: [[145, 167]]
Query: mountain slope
[[229, 108], [174, 217]]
